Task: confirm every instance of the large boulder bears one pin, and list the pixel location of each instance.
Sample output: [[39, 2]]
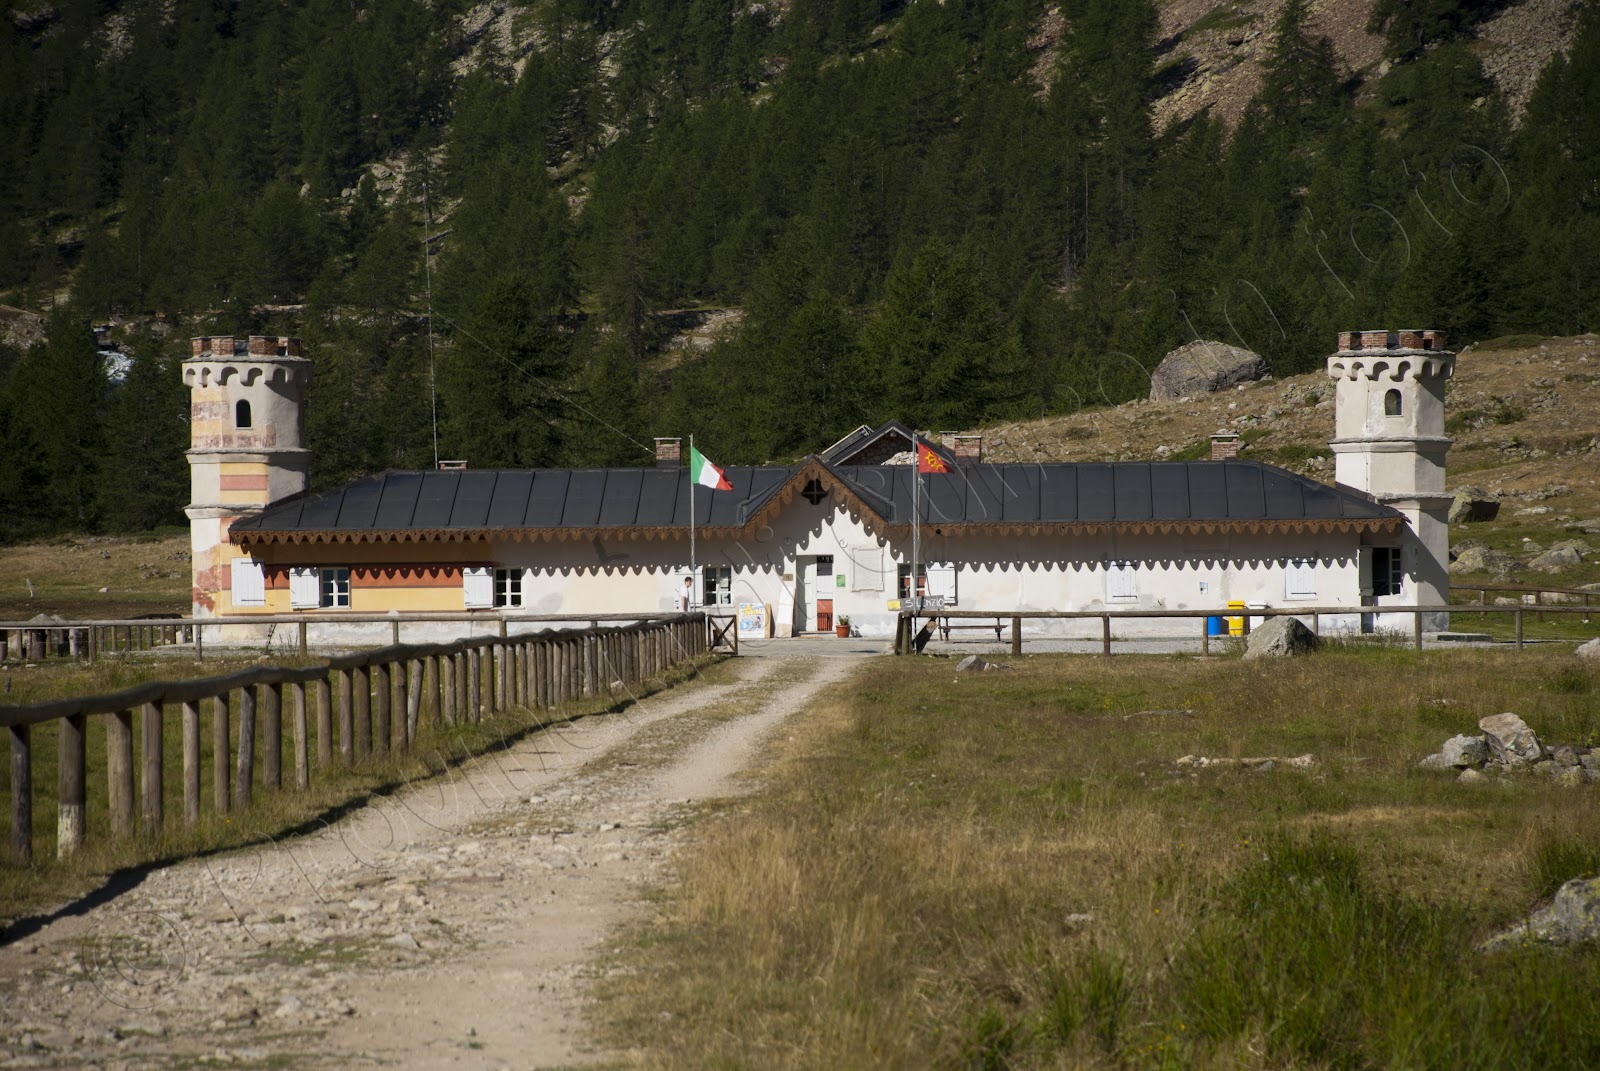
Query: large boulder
[[1556, 559], [1572, 917], [1203, 367], [1590, 650], [1473, 504], [1280, 637], [1482, 559], [1511, 742]]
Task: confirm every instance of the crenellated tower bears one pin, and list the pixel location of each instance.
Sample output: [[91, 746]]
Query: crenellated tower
[[1389, 441], [246, 411]]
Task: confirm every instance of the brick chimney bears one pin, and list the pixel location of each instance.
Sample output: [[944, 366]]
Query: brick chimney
[[452, 466], [669, 453], [1224, 446], [968, 449]]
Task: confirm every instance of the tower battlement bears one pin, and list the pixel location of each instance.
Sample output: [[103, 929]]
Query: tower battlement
[[1377, 341]]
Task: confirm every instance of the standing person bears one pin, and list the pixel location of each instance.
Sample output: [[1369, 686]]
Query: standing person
[[685, 594]]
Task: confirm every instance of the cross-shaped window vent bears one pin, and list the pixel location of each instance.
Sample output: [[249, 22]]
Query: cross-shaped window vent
[[815, 492]]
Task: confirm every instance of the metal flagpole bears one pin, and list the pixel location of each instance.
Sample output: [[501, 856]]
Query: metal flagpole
[[916, 523], [692, 568]]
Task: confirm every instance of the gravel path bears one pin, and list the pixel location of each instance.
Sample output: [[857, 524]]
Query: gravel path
[[448, 925]]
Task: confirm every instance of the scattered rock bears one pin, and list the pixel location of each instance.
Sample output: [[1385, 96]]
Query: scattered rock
[[1470, 776], [1511, 742], [404, 940], [1461, 751], [972, 663], [1280, 637], [1473, 504], [1573, 917], [1556, 559], [1590, 650], [1202, 368], [1481, 559]]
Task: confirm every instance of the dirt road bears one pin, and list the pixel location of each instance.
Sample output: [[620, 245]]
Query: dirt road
[[448, 925]]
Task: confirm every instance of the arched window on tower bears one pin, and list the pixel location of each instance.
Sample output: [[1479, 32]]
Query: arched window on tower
[[241, 414], [1391, 403]]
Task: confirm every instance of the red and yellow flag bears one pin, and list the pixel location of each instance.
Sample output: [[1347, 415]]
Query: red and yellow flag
[[928, 461]]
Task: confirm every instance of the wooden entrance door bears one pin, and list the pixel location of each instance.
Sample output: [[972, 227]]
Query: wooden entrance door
[[824, 615]]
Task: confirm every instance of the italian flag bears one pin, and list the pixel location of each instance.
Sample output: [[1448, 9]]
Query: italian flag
[[705, 473]]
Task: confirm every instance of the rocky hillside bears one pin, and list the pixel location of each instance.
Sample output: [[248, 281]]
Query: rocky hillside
[[1213, 52], [1524, 414]]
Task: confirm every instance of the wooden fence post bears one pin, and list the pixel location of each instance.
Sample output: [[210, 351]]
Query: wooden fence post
[[191, 763], [70, 748], [151, 724], [1205, 635], [412, 694], [119, 771], [324, 696], [430, 693], [447, 688], [221, 797], [245, 769], [382, 703], [361, 692], [22, 794], [1105, 633], [502, 676], [1016, 635], [1416, 622], [347, 715], [302, 756], [272, 736]]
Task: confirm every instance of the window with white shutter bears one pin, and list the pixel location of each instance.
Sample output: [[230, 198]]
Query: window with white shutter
[[942, 581], [1300, 579], [864, 566], [305, 589], [249, 583], [1120, 582], [477, 582]]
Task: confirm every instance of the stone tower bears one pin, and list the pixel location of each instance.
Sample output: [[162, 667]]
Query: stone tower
[[247, 401], [1389, 441]]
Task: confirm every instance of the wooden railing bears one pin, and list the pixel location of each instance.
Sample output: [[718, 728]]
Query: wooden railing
[[36, 641], [379, 699], [1557, 596], [908, 641]]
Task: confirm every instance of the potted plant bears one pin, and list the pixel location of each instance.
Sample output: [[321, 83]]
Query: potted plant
[[841, 627]]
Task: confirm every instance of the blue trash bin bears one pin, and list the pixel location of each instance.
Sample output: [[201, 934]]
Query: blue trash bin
[[1216, 626]]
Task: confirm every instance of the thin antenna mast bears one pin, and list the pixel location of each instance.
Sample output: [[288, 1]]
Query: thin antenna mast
[[427, 270]]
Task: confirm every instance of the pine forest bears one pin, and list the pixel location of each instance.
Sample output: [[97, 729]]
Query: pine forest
[[543, 233]]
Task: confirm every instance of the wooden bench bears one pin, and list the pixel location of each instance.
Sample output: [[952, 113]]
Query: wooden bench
[[946, 627]]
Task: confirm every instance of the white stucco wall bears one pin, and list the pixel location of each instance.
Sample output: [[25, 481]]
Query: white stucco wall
[[1002, 574]]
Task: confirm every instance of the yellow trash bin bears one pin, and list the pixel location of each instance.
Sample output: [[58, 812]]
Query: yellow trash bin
[[1236, 624]]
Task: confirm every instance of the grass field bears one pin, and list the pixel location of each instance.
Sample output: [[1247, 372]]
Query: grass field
[[1008, 870]]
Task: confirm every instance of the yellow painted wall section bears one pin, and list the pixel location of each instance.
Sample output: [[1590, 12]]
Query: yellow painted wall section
[[368, 601]]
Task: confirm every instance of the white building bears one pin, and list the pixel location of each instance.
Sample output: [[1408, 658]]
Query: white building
[[831, 537]]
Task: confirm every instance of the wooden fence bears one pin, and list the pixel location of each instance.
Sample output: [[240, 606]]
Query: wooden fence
[[908, 641], [35, 641], [379, 699]]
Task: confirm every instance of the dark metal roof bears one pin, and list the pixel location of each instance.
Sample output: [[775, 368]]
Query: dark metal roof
[[849, 449], [477, 502], [1113, 493]]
